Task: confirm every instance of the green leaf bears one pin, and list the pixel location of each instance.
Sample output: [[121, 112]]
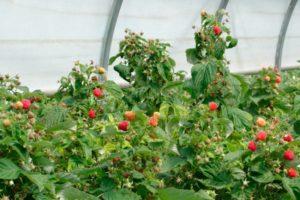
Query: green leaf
[[137, 175], [170, 163], [219, 49], [8, 170], [203, 74], [56, 118], [238, 173], [223, 125], [109, 130], [179, 194], [75, 194], [124, 71], [164, 110], [292, 186], [171, 85], [233, 156], [297, 103], [189, 86], [122, 194], [107, 184], [44, 162], [114, 58], [42, 181], [191, 56], [261, 174], [161, 72], [86, 172], [219, 181], [113, 88], [239, 117], [297, 126], [233, 42]]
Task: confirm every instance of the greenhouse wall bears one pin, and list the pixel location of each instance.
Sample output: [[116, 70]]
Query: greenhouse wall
[[40, 40]]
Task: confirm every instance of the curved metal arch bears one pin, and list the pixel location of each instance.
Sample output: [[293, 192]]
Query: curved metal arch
[[223, 4], [283, 30], [109, 32]]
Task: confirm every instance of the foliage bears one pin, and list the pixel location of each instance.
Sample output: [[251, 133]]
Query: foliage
[[96, 140], [210, 75], [148, 68]]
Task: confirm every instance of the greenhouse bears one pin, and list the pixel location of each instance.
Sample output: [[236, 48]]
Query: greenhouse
[[154, 100]]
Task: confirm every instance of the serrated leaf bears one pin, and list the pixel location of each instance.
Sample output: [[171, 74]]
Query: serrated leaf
[[179, 194], [219, 181], [56, 118], [42, 181], [122, 194], [8, 170], [203, 74], [292, 186], [113, 88], [191, 56], [233, 156], [170, 163], [75, 194], [240, 118], [124, 71]]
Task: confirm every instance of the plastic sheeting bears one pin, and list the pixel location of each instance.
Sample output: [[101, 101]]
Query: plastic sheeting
[[40, 39]]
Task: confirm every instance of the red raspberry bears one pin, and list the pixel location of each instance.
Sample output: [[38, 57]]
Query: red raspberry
[[217, 30], [153, 121], [261, 136], [289, 155], [26, 104], [92, 114], [292, 173], [123, 125], [252, 146], [278, 79], [97, 92], [288, 137], [213, 106]]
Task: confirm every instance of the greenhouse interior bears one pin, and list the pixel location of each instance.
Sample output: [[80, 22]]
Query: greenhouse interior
[[154, 100]]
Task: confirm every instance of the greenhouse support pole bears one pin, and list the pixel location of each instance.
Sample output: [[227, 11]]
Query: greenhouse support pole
[[223, 4], [109, 32], [281, 37]]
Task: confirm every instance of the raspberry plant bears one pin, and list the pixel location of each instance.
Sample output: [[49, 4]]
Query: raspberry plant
[[148, 68]]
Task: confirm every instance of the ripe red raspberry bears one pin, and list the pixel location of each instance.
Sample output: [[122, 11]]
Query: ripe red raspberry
[[153, 121], [292, 172], [213, 106], [278, 79], [123, 125], [92, 113], [288, 137], [261, 136], [217, 30], [289, 155], [97, 92], [252, 146], [26, 104]]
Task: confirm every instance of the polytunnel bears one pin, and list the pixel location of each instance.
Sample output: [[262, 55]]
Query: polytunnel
[[40, 40], [149, 100]]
